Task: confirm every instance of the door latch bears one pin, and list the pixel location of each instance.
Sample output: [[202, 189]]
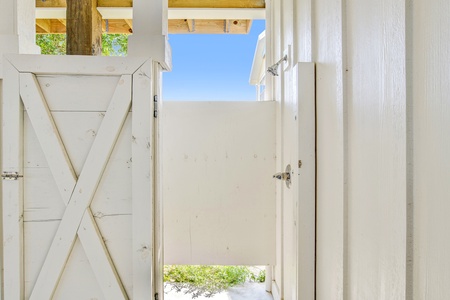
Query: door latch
[[11, 176], [286, 176]]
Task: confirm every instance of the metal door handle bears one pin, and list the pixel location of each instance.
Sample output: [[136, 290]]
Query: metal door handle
[[282, 176], [286, 176]]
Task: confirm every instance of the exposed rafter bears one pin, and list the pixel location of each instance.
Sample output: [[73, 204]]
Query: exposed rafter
[[185, 16], [218, 3], [172, 3]]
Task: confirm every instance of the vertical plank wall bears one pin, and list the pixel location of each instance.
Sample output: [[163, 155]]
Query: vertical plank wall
[[359, 50], [382, 143], [430, 88], [330, 92], [288, 155], [376, 120]]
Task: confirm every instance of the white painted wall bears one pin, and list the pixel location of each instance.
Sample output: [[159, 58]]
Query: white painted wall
[[429, 87], [328, 48], [382, 139], [376, 150], [382, 85], [17, 28], [218, 159]]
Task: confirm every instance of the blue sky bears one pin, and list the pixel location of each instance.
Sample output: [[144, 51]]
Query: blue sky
[[208, 67]]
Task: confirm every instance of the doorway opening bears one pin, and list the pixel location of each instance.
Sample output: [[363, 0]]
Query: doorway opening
[[217, 68], [219, 194], [212, 67], [215, 282]]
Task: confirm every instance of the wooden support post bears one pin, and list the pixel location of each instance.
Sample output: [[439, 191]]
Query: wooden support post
[[84, 28]]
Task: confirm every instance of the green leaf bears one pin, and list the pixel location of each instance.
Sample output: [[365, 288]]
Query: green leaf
[[55, 44]]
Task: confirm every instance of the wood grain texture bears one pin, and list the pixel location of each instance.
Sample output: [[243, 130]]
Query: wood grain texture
[[44, 26], [54, 88], [12, 191], [376, 120], [47, 135], [99, 258], [305, 221], [430, 90], [218, 3], [175, 26], [143, 182], [84, 28], [74, 65], [172, 3], [158, 186], [329, 40], [84, 191], [66, 180], [209, 26], [108, 228]]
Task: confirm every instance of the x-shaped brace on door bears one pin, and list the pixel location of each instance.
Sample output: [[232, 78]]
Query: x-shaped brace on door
[[77, 193]]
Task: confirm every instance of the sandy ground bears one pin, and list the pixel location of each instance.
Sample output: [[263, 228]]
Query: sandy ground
[[247, 291]]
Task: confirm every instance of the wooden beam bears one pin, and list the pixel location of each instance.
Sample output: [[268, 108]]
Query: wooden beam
[[239, 27], [209, 26], [175, 26], [249, 25], [130, 25], [217, 3], [51, 3], [45, 25], [84, 28], [191, 25], [172, 3], [116, 26], [56, 26], [115, 3]]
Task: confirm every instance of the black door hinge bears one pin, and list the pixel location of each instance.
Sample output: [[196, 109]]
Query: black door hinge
[[155, 106], [156, 296]]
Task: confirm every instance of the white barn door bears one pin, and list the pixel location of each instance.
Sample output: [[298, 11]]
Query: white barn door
[[78, 178]]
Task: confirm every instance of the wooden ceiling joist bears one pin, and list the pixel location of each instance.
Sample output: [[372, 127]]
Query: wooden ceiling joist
[[172, 3], [55, 26], [209, 26], [185, 16], [44, 25], [175, 26], [173, 13], [217, 3]]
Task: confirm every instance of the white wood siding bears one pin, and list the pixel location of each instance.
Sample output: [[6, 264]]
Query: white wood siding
[[359, 50], [429, 87], [328, 52], [88, 180]]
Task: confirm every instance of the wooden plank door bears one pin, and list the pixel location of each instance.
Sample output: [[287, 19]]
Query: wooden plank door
[[294, 274], [78, 188]]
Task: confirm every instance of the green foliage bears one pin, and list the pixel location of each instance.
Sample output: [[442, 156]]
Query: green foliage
[[258, 277], [114, 44], [52, 44], [208, 280], [55, 44]]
